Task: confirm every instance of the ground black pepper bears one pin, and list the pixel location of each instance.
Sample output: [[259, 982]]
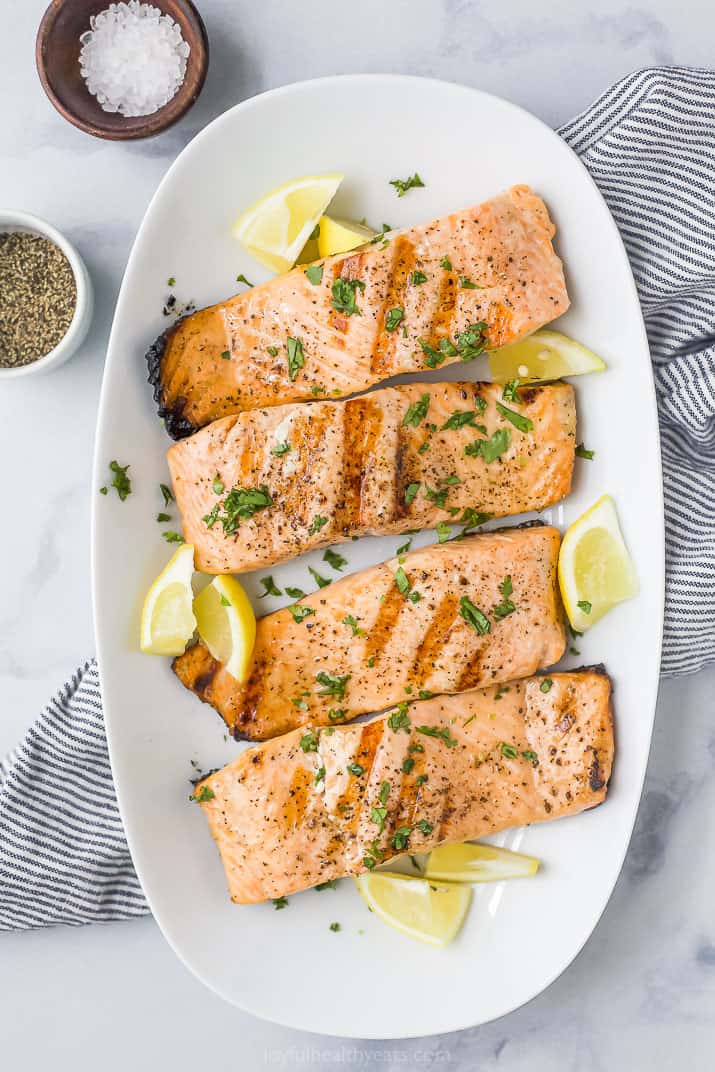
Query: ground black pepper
[[38, 296]]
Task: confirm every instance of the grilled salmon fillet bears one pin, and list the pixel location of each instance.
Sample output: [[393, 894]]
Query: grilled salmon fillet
[[489, 271], [362, 644], [261, 487], [318, 804]]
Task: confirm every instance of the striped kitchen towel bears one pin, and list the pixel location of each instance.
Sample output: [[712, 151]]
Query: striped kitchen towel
[[649, 143]]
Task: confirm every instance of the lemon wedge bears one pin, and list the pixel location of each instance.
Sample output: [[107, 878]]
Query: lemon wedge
[[227, 624], [430, 911], [168, 622], [340, 236], [277, 227], [478, 863], [545, 355], [595, 569]]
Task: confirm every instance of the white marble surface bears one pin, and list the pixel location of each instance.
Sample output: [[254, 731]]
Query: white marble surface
[[642, 993]]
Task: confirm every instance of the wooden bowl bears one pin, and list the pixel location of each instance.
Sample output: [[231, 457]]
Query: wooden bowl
[[57, 56]]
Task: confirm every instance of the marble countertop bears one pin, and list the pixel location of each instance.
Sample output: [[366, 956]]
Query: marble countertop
[[641, 995]]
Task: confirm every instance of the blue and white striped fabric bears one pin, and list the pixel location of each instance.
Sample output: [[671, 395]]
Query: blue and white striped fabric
[[63, 854], [650, 145]]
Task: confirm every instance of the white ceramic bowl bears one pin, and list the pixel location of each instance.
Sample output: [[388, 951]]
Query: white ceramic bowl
[[11, 220]]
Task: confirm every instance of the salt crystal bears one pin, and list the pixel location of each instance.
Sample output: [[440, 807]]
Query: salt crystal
[[133, 58]]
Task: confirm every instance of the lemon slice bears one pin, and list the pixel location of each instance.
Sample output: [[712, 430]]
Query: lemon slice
[[339, 236], [276, 228], [595, 569], [430, 911], [227, 624], [545, 355], [478, 863], [168, 622]]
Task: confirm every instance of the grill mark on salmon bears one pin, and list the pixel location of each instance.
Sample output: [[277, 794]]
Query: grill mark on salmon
[[401, 638], [353, 462], [278, 832], [503, 245]]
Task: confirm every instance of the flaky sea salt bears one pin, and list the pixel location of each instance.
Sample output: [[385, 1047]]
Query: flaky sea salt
[[133, 58]]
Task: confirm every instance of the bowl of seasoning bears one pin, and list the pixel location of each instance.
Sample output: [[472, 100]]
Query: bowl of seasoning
[[45, 296], [122, 70]]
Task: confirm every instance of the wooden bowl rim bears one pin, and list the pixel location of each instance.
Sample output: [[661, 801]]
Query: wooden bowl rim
[[138, 126]]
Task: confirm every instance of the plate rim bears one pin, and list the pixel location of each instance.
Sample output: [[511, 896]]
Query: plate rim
[[104, 407]]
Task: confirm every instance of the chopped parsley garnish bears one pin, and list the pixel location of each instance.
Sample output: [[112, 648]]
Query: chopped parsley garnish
[[314, 274], [399, 719], [524, 424], [121, 481], [335, 927], [345, 297], [446, 264], [299, 702], [510, 392], [352, 622], [356, 769], [404, 547], [173, 537], [333, 684], [299, 612], [473, 519], [420, 780], [309, 742], [163, 518], [440, 732], [408, 765], [439, 498], [319, 775], [334, 559], [378, 817], [474, 616], [280, 449], [271, 588], [403, 185], [226, 355], [225, 602], [424, 827], [272, 350], [217, 485], [166, 494], [490, 449], [581, 452], [370, 862], [506, 607], [294, 593], [336, 714], [509, 751], [425, 694], [417, 278], [279, 902], [400, 839], [321, 581], [404, 587], [242, 279], [472, 341], [331, 884], [546, 684], [394, 318], [317, 524], [239, 505], [417, 411], [467, 284], [202, 794], [460, 418], [384, 792], [443, 532], [584, 605], [296, 357], [530, 756], [171, 281], [371, 661], [433, 357], [411, 493]]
